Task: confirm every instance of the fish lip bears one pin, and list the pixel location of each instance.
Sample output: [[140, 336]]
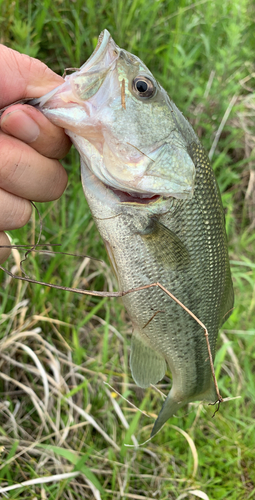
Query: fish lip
[[103, 44]]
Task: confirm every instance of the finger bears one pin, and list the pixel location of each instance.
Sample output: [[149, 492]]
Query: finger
[[14, 211], [24, 76], [26, 173], [32, 127], [4, 252]]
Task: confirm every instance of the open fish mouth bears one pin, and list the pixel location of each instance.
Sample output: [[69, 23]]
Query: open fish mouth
[[100, 61], [104, 54]]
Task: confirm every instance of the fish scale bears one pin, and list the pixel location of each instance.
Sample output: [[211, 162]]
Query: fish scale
[[201, 286], [155, 200], [200, 223]]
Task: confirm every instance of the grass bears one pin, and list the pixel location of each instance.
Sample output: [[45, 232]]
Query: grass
[[62, 428]]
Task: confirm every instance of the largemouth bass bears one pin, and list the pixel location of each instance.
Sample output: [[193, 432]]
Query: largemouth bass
[[156, 203]]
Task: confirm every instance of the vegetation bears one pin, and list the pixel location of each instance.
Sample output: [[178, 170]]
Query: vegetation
[[58, 416]]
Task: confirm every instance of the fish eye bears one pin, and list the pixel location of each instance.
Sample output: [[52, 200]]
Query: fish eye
[[143, 86]]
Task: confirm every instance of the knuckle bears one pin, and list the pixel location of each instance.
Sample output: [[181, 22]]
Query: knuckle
[[55, 182], [61, 180], [7, 157], [22, 212], [19, 214], [15, 212], [11, 159], [4, 252]]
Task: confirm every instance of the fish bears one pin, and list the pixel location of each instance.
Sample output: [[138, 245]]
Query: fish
[[155, 200]]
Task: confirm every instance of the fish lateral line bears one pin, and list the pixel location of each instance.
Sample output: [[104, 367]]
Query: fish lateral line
[[122, 294]]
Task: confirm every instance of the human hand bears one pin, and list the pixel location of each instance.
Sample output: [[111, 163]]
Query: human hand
[[29, 144]]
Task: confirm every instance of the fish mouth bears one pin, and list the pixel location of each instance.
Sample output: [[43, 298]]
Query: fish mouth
[[99, 63], [125, 197], [104, 44]]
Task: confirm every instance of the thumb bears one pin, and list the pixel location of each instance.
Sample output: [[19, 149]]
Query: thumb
[[30, 126], [23, 76]]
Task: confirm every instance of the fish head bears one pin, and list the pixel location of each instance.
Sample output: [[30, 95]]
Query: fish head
[[123, 124]]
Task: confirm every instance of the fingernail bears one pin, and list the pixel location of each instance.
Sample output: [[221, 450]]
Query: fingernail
[[20, 125]]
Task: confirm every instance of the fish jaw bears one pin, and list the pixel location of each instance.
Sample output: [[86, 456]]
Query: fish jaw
[[105, 202], [83, 83]]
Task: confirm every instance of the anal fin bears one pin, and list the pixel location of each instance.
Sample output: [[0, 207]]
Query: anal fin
[[147, 366]]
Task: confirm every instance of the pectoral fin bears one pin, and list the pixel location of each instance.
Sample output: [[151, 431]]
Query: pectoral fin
[[165, 245], [147, 366]]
